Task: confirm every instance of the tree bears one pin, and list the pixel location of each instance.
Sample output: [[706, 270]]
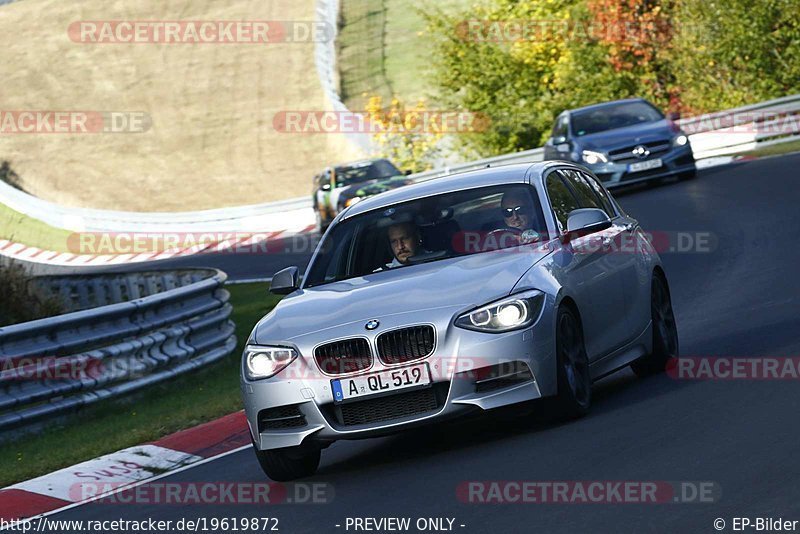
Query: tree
[[522, 62], [407, 135], [736, 52]]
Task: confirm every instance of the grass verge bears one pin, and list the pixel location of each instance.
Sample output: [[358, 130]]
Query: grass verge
[[382, 49], [775, 150], [14, 226], [146, 416]]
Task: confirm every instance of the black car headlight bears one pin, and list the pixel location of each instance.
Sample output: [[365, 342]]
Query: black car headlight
[[264, 362], [510, 313]]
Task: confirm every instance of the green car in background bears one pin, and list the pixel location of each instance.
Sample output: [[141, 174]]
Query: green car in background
[[339, 186]]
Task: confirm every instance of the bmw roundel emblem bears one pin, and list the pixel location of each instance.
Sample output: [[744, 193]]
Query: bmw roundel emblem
[[372, 325]]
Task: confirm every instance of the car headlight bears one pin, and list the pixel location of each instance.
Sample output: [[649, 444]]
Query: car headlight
[[680, 140], [511, 313], [352, 201], [591, 157], [264, 362]]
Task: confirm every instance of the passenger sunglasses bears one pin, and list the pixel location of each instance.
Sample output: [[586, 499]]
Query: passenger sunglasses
[[508, 212]]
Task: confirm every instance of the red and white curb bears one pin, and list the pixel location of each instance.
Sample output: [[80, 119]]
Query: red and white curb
[[248, 242], [124, 469]]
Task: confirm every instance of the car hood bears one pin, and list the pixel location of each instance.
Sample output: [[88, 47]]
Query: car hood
[[622, 137], [460, 282]]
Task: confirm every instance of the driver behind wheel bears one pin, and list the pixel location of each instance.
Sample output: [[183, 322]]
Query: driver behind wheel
[[405, 240]]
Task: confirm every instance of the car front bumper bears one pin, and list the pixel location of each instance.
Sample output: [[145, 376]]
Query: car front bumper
[[471, 371], [679, 160]]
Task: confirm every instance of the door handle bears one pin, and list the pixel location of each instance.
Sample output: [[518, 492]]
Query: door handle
[[630, 227], [607, 241]]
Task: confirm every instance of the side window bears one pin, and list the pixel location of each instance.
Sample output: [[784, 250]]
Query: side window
[[601, 193], [586, 195], [337, 268], [561, 199], [560, 128]]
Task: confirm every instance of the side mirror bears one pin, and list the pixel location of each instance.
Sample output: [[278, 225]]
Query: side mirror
[[585, 221], [285, 281], [407, 172]]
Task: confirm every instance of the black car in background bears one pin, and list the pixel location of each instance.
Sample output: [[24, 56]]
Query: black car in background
[[622, 142], [338, 186]]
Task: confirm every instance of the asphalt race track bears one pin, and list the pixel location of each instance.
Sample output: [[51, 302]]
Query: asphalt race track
[[738, 299]]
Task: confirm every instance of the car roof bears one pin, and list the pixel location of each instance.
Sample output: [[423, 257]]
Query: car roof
[[504, 174], [604, 105], [358, 163]]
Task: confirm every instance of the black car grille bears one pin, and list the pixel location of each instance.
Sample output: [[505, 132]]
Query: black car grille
[[624, 155], [406, 345], [387, 408], [345, 356], [280, 418]]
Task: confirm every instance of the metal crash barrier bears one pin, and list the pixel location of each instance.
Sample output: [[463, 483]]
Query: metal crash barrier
[[122, 332]]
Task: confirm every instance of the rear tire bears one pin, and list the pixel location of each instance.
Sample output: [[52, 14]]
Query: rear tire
[[665, 331], [290, 463], [574, 396]]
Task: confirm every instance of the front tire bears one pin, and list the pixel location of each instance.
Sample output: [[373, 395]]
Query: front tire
[[665, 331], [290, 463], [319, 223], [574, 396]]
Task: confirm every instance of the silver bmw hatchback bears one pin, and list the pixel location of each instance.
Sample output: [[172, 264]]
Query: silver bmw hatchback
[[457, 295]]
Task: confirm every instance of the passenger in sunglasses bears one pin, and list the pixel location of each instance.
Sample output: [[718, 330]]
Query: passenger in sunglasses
[[517, 210], [518, 215]]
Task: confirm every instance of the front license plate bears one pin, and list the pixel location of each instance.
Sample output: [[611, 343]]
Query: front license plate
[[645, 165], [388, 381]]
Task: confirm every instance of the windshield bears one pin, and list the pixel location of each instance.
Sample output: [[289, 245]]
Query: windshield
[[613, 117], [368, 170], [429, 229]]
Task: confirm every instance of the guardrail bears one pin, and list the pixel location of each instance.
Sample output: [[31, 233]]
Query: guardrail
[[294, 214], [744, 128], [160, 325]]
